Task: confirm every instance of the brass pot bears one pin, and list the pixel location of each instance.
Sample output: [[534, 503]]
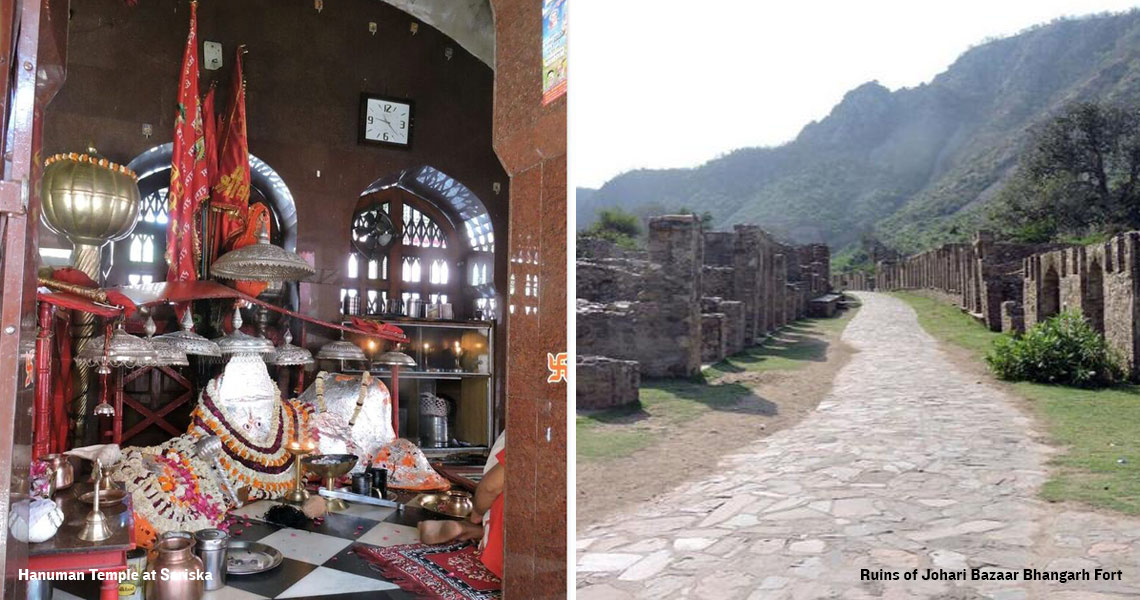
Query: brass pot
[[176, 574], [458, 503], [88, 199], [62, 471]]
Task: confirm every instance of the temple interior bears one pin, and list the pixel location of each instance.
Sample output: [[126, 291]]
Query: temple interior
[[293, 279]]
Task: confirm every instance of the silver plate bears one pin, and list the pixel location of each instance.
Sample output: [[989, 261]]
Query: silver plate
[[247, 558], [106, 497]]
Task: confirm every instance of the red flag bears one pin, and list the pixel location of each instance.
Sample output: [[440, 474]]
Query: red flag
[[231, 190], [188, 177], [210, 133]]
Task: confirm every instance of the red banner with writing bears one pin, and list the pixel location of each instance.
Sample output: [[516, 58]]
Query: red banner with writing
[[231, 190], [189, 183]]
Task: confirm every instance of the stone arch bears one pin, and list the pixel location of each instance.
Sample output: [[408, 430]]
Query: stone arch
[[1094, 296], [1050, 302], [264, 181]]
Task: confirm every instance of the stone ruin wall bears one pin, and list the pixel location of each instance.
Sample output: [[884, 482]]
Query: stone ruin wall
[[853, 281], [693, 298], [1011, 287], [1099, 280]]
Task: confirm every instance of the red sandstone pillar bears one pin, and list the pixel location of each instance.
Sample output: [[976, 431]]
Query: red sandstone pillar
[[42, 427]]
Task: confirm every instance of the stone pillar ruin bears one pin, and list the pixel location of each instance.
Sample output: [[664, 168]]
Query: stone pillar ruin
[[670, 299], [748, 272], [1120, 260], [780, 291]]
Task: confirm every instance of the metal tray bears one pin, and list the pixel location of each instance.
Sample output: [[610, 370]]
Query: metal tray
[[435, 502], [106, 497], [247, 558]]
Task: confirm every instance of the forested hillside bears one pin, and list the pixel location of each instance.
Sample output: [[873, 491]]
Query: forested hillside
[[913, 167]]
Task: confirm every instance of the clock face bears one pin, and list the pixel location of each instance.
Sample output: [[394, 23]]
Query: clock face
[[386, 121]]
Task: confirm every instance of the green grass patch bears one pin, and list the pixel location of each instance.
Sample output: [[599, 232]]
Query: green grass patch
[[1096, 429], [667, 403], [595, 443], [794, 347]]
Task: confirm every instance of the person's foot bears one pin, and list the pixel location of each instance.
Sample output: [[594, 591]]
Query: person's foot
[[438, 532]]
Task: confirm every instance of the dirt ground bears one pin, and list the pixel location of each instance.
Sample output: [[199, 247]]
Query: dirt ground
[[779, 399]]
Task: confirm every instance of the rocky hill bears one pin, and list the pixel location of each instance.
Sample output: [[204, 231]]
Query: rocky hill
[[913, 166]]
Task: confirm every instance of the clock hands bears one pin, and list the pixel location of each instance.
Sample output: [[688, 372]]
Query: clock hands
[[389, 124]]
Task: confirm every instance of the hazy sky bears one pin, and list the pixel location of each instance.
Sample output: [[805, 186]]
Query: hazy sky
[[671, 83]]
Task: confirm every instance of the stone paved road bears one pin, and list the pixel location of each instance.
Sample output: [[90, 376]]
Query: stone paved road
[[909, 463]]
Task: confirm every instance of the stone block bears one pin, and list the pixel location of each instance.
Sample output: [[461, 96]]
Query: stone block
[[604, 382], [717, 281], [609, 280], [713, 339]]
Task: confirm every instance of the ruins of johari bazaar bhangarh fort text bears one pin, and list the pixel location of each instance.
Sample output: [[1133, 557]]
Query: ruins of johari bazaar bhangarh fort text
[[692, 298], [1011, 286]]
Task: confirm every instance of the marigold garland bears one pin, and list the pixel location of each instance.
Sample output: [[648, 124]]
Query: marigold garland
[[266, 469], [171, 489]]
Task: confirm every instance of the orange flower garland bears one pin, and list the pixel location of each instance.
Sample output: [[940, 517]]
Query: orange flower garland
[[265, 469]]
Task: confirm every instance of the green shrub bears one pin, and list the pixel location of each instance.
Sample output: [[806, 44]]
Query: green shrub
[[1064, 349], [617, 226]]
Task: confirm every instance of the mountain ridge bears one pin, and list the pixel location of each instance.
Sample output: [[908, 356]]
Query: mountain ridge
[[914, 166]]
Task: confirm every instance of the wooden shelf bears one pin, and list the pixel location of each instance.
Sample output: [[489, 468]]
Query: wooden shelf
[[452, 375], [463, 324], [453, 450]]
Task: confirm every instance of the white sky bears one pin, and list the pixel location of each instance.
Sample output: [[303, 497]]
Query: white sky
[[671, 83]]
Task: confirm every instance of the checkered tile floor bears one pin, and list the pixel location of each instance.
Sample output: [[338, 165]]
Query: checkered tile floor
[[318, 559]]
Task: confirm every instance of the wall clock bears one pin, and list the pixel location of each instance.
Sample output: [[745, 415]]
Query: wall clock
[[386, 121]]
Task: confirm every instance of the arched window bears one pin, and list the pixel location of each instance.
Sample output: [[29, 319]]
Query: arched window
[[420, 234], [140, 257], [415, 259]]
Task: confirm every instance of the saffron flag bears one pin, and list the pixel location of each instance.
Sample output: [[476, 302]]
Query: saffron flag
[[231, 190], [237, 224], [188, 178]]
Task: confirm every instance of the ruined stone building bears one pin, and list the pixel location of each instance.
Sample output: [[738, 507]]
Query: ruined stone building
[[1011, 286], [692, 298]]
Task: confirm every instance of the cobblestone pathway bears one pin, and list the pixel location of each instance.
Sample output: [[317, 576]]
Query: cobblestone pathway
[[909, 463]]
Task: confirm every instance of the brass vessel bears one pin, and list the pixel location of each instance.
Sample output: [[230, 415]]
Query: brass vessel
[[62, 470], [298, 448], [456, 503], [90, 201], [184, 572], [328, 467]]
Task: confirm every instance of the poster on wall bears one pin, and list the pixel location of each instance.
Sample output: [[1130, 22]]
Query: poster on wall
[[553, 50]]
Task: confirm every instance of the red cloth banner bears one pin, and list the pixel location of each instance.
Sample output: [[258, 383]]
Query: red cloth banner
[[189, 185], [210, 132], [231, 190]]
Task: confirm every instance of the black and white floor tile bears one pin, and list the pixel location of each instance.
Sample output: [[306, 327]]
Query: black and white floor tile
[[319, 562]]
